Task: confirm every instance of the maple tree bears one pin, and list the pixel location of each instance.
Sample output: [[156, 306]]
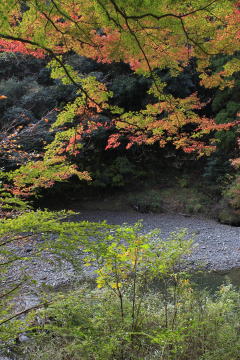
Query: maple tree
[[147, 35]]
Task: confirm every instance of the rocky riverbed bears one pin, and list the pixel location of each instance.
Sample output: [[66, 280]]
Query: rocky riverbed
[[217, 249], [218, 245]]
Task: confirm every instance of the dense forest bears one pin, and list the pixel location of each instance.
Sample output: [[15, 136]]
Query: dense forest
[[121, 106]]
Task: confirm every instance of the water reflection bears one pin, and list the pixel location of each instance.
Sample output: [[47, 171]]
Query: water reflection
[[214, 279]]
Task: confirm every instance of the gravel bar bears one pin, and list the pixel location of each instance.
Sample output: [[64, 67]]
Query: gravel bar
[[218, 245]]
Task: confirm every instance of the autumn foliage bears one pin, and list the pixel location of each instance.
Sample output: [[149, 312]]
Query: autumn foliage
[[147, 35], [18, 47]]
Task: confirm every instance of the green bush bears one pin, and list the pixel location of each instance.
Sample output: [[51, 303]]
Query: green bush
[[232, 193], [44, 77], [142, 309], [45, 99], [148, 201], [87, 325], [117, 174], [113, 321], [39, 102], [82, 64], [217, 168]]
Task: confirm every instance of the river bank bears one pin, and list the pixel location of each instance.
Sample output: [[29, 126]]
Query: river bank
[[217, 246], [216, 251]]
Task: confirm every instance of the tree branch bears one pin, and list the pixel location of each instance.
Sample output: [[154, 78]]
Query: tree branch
[[51, 52], [24, 312], [72, 20], [10, 291], [159, 17], [15, 239], [193, 41], [110, 18]]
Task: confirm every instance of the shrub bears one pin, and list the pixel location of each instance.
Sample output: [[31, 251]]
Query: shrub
[[182, 85], [217, 168], [82, 64], [142, 309], [149, 201], [233, 193], [117, 174], [44, 77], [127, 263], [39, 102], [15, 231], [87, 325]]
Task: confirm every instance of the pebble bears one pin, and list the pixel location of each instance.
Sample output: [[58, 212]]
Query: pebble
[[218, 243]]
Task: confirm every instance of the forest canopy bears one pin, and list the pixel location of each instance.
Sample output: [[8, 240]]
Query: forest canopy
[[130, 95], [147, 35], [153, 38]]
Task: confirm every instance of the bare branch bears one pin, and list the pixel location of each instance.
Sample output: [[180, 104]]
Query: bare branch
[[10, 291], [73, 21], [24, 312], [110, 18], [15, 239], [190, 39]]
